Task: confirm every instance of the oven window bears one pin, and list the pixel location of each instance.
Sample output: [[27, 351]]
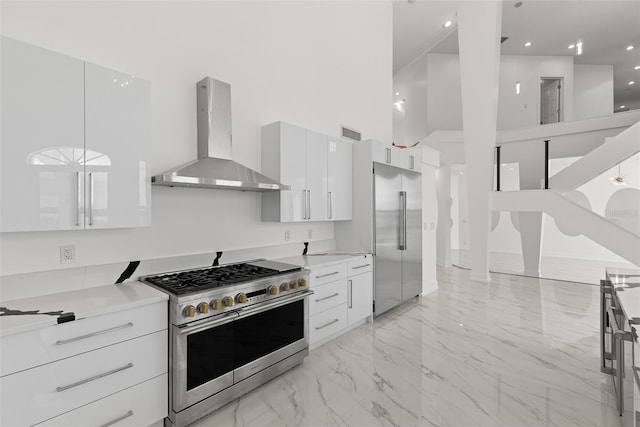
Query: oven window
[[265, 332], [209, 354]]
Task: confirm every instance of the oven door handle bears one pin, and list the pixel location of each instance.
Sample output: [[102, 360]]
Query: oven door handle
[[230, 316], [259, 308]]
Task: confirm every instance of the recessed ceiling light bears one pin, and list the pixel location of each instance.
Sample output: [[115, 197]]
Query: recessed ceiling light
[[571, 46], [630, 47], [579, 47], [623, 106], [527, 44], [397, 93], [448, 24], [637, 67], [461, 173], [632, 82]]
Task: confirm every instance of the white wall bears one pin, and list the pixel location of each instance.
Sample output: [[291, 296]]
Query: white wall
[[411, 84], [444, 99], [592, 91], [315, 64]]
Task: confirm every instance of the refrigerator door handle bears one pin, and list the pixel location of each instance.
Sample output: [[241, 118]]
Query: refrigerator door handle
[[403, 221]]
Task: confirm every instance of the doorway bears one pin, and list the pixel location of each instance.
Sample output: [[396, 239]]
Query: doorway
[[551, 100]]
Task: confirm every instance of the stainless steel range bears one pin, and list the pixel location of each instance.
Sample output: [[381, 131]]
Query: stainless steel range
[[233, 328]]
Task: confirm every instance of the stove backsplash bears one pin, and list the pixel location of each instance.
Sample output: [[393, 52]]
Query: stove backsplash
[[53, 281]]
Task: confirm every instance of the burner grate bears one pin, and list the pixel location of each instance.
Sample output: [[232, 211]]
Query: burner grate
[[206, 278]]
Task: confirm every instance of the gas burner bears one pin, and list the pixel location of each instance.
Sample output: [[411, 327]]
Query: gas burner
[[183, 282]]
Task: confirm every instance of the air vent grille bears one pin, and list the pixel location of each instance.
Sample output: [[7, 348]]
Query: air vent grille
[[351, 134]]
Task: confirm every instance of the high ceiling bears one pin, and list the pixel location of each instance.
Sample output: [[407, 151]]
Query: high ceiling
[[606, 27]]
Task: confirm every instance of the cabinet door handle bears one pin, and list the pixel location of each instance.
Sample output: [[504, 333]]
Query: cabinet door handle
[[360, 266], [96, 377], [388, 155], [304, 204], [326, 275], [93, 334], [78, 199], [350, 294], [411, 163], [90, 198], [326, 298], [330, 206], [309, 204], [403, 221], [117, 420], [327, 324]]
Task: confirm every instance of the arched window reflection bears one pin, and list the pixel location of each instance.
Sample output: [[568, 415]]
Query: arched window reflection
[[65, 156]]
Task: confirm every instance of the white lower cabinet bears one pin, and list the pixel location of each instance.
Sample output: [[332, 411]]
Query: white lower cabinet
[[95, 371], [342, 299], [133, 407]]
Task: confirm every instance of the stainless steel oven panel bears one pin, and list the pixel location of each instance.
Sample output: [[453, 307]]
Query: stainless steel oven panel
[[181, 397], [264, 362]]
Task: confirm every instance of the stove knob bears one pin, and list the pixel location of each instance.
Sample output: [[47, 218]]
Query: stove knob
[[189, 311], [284, 287], [216, 304], [203, 308], [241, 298], [227, 301], [294, 284], [273, 290], [302, 283]]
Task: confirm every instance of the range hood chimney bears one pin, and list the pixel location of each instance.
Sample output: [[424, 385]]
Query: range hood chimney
[[214, 167]]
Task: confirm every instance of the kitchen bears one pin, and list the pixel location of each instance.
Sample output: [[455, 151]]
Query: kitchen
[[315, 65]]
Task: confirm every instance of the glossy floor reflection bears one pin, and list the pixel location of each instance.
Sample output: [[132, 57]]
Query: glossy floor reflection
[[517, 352]]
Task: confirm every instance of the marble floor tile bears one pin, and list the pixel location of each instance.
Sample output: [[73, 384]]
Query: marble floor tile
[[517, 352], [557, 268]]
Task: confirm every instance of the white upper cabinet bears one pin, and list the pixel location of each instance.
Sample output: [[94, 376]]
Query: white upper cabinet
[[75, 143], [42, 138], [316, 174], [117, 136], [297, 157], [339, 176]]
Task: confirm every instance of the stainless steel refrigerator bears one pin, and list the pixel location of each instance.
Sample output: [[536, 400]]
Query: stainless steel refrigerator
[[398, 236]]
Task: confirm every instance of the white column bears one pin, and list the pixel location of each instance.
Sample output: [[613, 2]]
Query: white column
[[531, 241], [443, 230], [479, 31]]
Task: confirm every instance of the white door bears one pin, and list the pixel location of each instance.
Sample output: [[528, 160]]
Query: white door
[[117, 142], [293, 172], [316, 176], [550, 100], [339, 176], [360, 297], [42, 150]]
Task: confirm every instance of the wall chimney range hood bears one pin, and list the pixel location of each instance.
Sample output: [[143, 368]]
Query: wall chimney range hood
[[214, 167]]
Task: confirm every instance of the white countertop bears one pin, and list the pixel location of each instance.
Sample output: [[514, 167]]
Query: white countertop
[[317, 260], [83, 303], [629, 298]]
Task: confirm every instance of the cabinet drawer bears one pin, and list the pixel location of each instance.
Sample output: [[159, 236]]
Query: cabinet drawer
[[34, 348], [330, 273], [327, 296], [327, 323], [37, 394], [359, 266], [140, 405]]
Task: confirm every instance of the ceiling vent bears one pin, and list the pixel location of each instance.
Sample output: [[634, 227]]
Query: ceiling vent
[[351, 134]]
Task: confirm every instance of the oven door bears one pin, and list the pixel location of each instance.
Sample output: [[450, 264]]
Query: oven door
[[201, 359], [268, 333]]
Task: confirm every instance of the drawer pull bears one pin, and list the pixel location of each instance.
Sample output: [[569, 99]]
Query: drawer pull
[[327, 324], [360, 266], [93, 334], [325, 298], [327, 275], [97, 377], [117, 420]]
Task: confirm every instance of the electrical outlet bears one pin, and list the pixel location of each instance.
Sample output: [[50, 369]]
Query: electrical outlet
[[310, 234], [287, 235], [67, 254]]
